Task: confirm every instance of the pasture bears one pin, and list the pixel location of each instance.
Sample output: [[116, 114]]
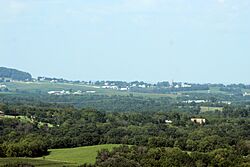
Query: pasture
[[79, 155], [206, 109]]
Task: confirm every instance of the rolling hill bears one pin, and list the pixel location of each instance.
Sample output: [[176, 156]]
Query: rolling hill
[[13, 74]]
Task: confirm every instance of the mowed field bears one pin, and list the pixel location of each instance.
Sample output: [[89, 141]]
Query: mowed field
[[205, 108], [79, 155], [44, 87], [63, 157]]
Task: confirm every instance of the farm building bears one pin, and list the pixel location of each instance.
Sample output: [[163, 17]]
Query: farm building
[[124, 89], [246, 94], [198, 120], [90, 91], [168, 121]]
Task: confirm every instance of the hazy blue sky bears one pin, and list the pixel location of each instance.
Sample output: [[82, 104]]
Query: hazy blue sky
[[150, 40]]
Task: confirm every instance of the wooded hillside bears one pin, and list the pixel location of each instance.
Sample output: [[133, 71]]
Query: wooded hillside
[[14, 74]]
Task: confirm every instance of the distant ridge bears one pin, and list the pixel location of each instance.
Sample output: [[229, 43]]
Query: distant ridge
[[13, 74]]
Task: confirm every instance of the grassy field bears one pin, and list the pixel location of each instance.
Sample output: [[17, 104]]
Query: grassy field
[[44, 87], [137, 94], [216, 90], [205, 108], [79, 155]]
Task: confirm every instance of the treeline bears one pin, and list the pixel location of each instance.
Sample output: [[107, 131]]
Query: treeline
[[14, 74], [138, 156], [21, 140], [114, 103], [27, 147]]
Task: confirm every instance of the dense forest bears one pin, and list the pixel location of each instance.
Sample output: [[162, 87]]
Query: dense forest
[[141, 156]]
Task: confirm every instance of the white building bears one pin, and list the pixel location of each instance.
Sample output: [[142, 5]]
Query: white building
[[226, 102], [78, 93], [184, 85], [198, 120], [124, 89], [91, 91], [246, 94], [176, 86], [3, 86], [168, 121], [142, 86], [110, 87], [63, 92], [134, 85], [53, 81], [195, 101]]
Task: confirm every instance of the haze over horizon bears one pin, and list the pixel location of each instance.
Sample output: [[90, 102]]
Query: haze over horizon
[[149, 40]]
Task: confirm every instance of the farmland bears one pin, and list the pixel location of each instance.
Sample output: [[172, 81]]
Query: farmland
[[69, 129], [205, 109], [78, 155], [44, 87]]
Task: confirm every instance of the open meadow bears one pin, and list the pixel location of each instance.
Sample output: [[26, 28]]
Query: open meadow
[[63, 157]]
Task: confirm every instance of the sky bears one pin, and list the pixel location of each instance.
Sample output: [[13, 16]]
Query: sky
[[197, 41]]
